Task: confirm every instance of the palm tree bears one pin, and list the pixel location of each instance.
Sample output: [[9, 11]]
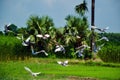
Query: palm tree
[[41, 25], [81, 8], [70, 30]]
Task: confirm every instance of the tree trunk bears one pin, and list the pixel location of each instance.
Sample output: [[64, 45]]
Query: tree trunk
[[92, 24]]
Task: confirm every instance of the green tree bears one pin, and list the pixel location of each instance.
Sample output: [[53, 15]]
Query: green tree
[[42, 25], [81, 8]]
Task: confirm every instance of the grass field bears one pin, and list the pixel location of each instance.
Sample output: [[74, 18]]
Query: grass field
[[50, 70]]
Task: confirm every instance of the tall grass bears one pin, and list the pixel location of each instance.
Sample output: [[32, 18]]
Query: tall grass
[[110, 53], [11, 48]]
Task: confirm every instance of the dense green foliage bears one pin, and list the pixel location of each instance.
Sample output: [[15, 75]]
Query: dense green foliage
[[11, 48], [111, 51]]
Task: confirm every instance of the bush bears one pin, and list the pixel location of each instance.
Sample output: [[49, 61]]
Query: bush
[[110, 53], [11, 48]]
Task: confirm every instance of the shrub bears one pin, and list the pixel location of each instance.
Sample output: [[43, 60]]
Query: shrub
[[110, 53], [11, 48]]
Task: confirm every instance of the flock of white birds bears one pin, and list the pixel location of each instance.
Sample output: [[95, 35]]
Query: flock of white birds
[[60, 48]]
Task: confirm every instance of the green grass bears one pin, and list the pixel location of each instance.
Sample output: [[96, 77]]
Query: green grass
[[77, 70]]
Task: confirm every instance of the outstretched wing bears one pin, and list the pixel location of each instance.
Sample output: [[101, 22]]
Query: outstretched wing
[[66, 62], [28, 69], [59, 62]]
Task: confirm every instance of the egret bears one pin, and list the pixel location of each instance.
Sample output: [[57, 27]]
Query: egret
[[60, 48], [81, 50], [101, 30], [35, 53], [63, 63], [83, 46], [46, 36], [96, 49], [26, 42], [103, 38], [32, 73]]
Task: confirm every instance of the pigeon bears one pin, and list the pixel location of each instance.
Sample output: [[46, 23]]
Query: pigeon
[[63, 63], [32, 73], [60, 48]]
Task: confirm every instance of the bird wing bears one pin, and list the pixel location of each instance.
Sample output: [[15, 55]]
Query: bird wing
[[39, 35], [24, 44], [66, 62], [59, 62], [47, 35], [58, 49], [44, 52], [28, 69], [28, 39], [35, 74], [106, 28]]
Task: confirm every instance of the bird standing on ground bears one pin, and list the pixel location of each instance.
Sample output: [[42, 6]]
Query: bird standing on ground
[[32, 73]]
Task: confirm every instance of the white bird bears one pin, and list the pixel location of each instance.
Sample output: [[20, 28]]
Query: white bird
[[46, 36], [102, 30], [103, 38], [32, 73], [35, 53], [60, 48], [81, 50], [65, 63], [83, 46], [26, 42], [96, 49]]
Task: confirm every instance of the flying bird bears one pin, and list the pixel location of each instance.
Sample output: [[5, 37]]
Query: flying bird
[[81, 50], [101, 30], [103, 38], [60, 48], [65, 63], [35, 53], [46, 36], [32, 73], [96, 49], [26, 42]]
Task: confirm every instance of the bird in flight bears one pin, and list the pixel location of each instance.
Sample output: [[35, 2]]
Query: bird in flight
[[64, 63], [32, 73], [41, 51], [46, 36], [101, 30], [60, 48], [103, 38]]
